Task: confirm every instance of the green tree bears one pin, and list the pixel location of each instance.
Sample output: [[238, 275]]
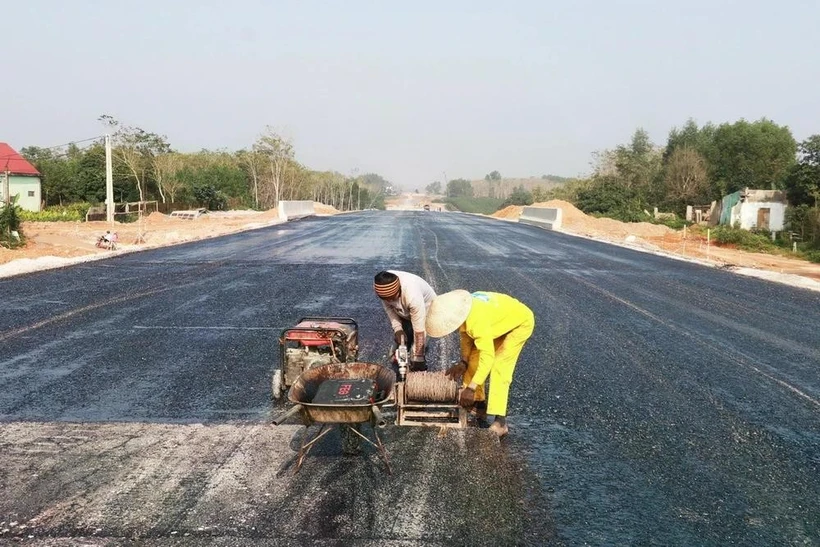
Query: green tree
[[433, 188], [608, 196], [519, 196], [90, 174], [638, 163], [206, 195], [802, 183], [459, 188], [56, 174], [751, 154], [701, 139]]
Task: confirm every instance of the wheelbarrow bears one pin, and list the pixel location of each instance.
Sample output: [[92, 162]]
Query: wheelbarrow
[[347, 415]]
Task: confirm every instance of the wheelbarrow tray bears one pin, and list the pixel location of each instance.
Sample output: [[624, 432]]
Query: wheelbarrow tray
[[304, 389]]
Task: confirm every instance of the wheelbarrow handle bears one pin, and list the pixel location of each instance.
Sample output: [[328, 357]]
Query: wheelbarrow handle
[[282, 417], [378, 418]]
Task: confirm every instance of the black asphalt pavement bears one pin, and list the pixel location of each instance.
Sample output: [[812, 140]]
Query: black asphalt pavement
[[658, 402]]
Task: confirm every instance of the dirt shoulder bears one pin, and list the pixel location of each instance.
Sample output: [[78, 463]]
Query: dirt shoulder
[[691, 244]]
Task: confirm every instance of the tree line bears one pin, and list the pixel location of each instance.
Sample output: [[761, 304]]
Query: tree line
[[146, 168], [696, 166]]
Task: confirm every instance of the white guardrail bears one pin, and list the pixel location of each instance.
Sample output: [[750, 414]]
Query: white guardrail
[[289, 210], [545, 217]]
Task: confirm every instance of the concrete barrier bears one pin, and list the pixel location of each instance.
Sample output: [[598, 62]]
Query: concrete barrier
[[289, 210], [545, 217]]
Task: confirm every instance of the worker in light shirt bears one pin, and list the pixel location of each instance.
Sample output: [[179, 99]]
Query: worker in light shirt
[[493, 328], [405, 298]]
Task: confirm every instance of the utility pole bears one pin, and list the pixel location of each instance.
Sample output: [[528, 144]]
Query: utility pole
[[446, 190], [109, 182], [6, 190]]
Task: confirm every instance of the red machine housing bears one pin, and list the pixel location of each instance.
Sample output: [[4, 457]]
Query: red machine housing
[[312, 342]]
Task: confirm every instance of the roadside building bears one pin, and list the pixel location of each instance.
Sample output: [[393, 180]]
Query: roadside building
[[23, 179], [749, 209]]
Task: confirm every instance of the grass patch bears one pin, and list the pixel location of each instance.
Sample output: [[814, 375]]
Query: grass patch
[[484, 206]]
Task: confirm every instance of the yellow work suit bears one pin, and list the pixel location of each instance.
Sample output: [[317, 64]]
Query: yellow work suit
[[492, 337]]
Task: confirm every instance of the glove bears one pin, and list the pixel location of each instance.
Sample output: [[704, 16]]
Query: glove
[[467, 398], [418, 364], [456, 371]]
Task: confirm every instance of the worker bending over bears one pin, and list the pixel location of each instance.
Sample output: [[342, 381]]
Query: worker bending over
[[405, 298], [493, 329]]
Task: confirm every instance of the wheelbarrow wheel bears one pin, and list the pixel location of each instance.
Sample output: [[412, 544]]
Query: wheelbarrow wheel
[[351, 443], [277, 387]]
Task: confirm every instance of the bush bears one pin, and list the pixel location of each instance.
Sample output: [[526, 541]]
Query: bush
[[10, 225], [675, 223], [58, 213], [209, 197], [519, 196], [607, 197], [813, 256], [742, 239]]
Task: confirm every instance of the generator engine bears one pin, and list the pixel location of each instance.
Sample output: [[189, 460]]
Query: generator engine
[[312, 342]]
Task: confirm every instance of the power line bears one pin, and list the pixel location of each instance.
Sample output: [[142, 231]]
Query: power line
[[68, 144], [9, 156]]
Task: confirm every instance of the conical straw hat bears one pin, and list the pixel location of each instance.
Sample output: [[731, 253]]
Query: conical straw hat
[[447, 312]]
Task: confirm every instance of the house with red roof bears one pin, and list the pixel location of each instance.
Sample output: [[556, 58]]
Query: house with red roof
[[20, 178]]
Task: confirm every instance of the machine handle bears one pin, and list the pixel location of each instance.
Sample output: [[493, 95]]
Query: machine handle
[[282, 417]]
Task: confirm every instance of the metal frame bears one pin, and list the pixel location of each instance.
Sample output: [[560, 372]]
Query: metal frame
[[345, 416], [415, 413], [326, 428], [349, 355]]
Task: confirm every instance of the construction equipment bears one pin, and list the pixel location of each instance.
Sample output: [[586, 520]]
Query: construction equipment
[[429, 399], [328, 387], [425, 398], [402, 360], [341, 408], [313, 342]]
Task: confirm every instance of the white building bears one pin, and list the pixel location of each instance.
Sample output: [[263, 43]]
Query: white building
[[749, 209]]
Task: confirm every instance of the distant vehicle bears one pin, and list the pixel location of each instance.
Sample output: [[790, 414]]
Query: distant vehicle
[[426, 207]]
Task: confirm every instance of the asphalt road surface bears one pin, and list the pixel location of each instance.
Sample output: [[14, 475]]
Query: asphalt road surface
[[658, 402]]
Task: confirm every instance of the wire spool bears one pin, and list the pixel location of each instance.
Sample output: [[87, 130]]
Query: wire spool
[[430, 387]]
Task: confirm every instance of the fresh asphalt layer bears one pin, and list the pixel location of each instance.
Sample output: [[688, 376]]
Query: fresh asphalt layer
[[658, 402]]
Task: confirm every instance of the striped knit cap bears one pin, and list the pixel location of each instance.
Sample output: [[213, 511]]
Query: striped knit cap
[[388, 290]]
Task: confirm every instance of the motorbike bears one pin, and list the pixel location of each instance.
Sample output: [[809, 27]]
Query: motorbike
[[107, 241]]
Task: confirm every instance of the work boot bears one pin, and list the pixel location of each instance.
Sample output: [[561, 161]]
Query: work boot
[[499, 426]]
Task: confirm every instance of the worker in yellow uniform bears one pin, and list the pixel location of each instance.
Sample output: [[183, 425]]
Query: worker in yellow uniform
[[494, 328]]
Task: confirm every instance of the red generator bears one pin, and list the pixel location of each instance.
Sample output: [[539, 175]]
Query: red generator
[[314, 341]]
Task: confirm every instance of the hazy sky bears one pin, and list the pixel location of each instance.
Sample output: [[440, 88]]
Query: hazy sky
[[408, 89]]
